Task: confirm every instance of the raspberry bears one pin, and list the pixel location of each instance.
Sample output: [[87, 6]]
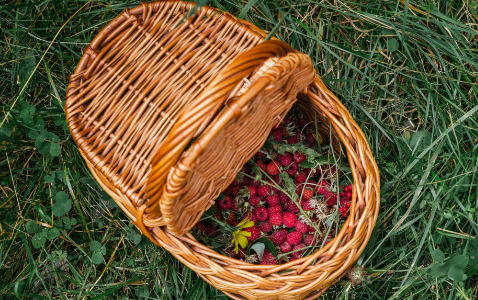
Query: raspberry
[[264, 191], [225, 203], [218, 212], [309, 240], [252, 190], [279, 236], [274, 209], [310, 138], [289, 219], [255, 233], [283, 198], [261, 165], [329, 195], [210, 231], [348, 194], [230, 217], [255, 182], [302, 122], [268, 259], [236, 183], [242, 253], [261, 214], [292, 140], [292, 207], [273, 168], [310, 183], [343, 210], [301, 227], [307, 193], [276, 134], [233, 206], [311, 229], [276, 219], [273, 200], [322, 187], [300, 178], [306, 205], [200, 226], [235, 189], [261, 154], [292, 170], [285, 159], [298, 254], [343, 194], [285, 247], [294, 238], [332, 201], [298, 157], [254, 201], [266, 227], [246, 169]]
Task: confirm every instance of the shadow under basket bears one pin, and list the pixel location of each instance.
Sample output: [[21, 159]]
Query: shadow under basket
[[166, 106]]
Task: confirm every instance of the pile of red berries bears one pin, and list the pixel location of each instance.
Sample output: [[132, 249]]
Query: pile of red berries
[[289, 194]]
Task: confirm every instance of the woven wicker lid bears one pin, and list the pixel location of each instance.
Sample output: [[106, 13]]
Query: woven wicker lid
[[276, 73]]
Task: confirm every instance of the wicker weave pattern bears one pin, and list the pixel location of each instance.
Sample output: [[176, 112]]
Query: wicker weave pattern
[[149, 83], [225, 146]]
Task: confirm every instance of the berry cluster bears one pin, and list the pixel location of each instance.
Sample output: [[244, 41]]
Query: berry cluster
[[286, 193]]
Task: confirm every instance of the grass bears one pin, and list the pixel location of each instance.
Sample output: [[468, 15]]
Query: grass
[[407, 72]]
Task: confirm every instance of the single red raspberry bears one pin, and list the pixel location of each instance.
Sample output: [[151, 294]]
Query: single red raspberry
[[292, 140], [276, 219], [261, 165], [310, 240], [264, 191], [285, 159], [254, 201], [311, 229], [255, 182], [252, 190], [273, 200], [294, 238], [289, 219], [236, 182], [285, 247], [276, 134], [302, 122], [343, 194], [261, 213], [210, 231], [266, 227], [332, 200], [218, 212], [230, 217], [225, 203], [322, 187], [268, 259], [234, 190], [300, 178], [292, 170], [274, 209], [301, 227], [279, 236], [298, 254], [273, 168], [199, 226], [233, 206], [298, 157], [349, 194], [283, 198], [306, 205], [307, 193], [292, 207], [310, 184], [255, 233]]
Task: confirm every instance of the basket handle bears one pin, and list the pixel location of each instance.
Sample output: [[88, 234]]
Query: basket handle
[[195, 115]]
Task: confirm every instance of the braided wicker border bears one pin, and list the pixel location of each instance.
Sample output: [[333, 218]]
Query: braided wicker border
[[123, 170]]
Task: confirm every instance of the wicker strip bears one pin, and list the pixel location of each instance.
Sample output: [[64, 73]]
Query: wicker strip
[[153, 81]]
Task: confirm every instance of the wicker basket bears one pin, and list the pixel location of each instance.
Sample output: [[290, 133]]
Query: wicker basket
[[166, 106]]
